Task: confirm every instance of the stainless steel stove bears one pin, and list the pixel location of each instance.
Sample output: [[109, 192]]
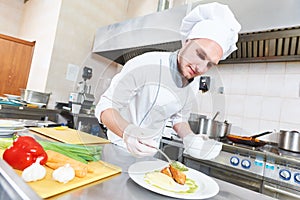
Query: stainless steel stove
[[267, 169]]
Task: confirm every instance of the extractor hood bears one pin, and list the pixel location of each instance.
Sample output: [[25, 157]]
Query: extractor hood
[[270, 32]]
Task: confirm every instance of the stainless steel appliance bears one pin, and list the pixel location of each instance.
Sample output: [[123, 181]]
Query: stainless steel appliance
[[267, 169], [289, 140], [210, 127], [83, 96]]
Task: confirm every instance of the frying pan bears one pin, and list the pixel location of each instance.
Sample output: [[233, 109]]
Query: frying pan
[[252, 140]]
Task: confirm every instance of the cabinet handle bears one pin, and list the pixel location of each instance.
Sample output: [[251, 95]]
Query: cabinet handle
[[280, 191]]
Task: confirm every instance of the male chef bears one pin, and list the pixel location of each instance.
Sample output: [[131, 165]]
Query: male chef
[[155, 87]]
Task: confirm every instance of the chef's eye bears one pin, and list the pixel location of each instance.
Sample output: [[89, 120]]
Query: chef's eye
[[210, 64], [201, 55]]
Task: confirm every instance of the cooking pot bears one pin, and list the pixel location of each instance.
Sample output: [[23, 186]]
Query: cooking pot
[[214, 129], [31, 96], [289, 140]]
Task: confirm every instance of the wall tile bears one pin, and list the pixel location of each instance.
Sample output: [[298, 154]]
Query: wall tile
[[253, 105], [257, 68], [238, 84], [225, 69], [292, 86], [274, 85], [289, 126], [206, 103], [275, 68], [290, 112], [293, 67], [236, 105], [241, 68], [226, 82], [271, 108], [236, 124], [255, 84], [250, 126]]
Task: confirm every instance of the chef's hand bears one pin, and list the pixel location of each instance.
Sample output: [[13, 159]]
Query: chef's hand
[[201, 147], [137, 140]]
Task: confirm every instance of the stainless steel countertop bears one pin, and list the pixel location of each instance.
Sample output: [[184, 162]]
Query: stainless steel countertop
[[123, 187]]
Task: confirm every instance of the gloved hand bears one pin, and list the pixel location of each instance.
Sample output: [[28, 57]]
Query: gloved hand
[[201, 147], [137, 139]]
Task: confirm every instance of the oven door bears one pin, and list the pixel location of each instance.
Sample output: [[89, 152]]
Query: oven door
[[280, 192]]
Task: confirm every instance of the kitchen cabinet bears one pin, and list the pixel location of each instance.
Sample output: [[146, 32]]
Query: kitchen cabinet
[[15, 61]]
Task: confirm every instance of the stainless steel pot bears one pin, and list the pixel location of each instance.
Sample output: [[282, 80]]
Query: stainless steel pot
[[194, 122], [31, 96], [214, 129], [289, 140]]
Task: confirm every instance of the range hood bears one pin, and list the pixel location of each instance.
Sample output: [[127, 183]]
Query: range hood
[[270, 32]]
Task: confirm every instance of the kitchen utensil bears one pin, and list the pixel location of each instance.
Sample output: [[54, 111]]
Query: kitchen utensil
[[214, 129], [289, 140], [252, 140], [216, 115], [177, 164], [70, 136]]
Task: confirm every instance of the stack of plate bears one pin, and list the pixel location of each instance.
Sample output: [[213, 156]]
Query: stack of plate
[[8, 127]]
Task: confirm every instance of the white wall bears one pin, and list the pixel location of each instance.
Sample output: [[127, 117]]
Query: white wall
[[39, 23], [10, 17], [257, 97]]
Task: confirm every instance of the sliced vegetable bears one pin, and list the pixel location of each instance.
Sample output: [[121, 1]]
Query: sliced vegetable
[[56, 160], [24, 152]]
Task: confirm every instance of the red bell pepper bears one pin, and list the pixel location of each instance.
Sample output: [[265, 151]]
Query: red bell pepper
[[24, 152]]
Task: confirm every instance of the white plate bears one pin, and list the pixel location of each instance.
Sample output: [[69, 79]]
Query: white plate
[[10, 131], [10, 124], [207, 187]]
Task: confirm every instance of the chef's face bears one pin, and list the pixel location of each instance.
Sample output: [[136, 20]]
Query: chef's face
[[197, 56]]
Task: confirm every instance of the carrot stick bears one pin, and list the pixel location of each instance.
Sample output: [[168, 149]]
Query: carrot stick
[[56, 160], [79, 171]]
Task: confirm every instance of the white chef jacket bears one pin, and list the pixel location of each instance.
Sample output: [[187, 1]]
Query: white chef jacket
[[145, 93]]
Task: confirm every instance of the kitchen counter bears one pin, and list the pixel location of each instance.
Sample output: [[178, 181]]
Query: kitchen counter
[[123, 187]]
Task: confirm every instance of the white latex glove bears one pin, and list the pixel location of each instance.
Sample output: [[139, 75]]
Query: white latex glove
[[201, 147], [135, 139]]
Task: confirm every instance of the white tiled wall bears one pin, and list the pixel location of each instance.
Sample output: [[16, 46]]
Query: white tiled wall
[[258, 97]]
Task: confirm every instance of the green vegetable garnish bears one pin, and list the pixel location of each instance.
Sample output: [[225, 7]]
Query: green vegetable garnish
[[179, 166]]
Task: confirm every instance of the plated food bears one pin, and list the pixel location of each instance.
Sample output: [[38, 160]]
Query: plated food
[[157, 177]]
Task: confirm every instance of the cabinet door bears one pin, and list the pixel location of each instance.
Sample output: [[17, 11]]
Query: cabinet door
[[15, 62]]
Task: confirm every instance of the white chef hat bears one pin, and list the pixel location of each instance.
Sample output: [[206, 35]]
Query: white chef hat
[[213, 21]]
